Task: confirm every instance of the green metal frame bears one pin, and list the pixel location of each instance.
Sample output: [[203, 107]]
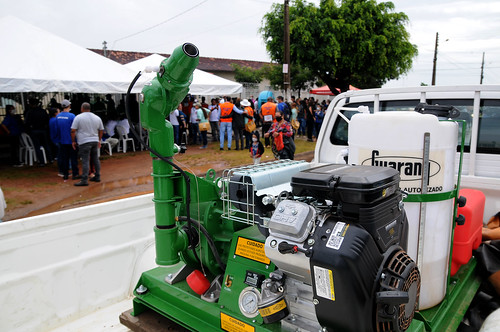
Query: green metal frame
[[158, 99], [177, 301], [462, 287], [183, 306], [449, 313]]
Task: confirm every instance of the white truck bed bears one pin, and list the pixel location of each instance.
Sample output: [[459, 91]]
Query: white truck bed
[[60, 267]]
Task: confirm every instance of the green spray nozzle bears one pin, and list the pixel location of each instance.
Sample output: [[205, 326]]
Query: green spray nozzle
[[158, 99], [170, 86]]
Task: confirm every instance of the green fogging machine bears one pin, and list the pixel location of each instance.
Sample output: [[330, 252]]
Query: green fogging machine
[[271, 247]]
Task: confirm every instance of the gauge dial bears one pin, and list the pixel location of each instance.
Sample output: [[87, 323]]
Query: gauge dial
[[249, 298]]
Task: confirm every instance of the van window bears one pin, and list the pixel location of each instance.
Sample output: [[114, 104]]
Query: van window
[[466, 107], [489, 121], [338, 136], [489, 127], [398, 105]]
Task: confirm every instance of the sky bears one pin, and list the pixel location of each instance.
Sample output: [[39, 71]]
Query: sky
[[229, 29]]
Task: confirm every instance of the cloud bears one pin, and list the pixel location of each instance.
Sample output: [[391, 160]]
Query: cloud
[[229, 29]]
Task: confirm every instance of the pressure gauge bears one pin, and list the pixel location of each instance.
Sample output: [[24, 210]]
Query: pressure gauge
[[249, 298]]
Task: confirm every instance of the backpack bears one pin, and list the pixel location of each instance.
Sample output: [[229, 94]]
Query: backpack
[[287, 112]]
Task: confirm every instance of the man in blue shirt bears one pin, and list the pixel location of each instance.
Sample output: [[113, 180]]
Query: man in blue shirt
[[284, 108], [54, 136], [64, 121]]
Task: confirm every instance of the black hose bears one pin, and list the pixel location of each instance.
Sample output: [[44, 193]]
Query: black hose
[[210, 241], [183, 173]]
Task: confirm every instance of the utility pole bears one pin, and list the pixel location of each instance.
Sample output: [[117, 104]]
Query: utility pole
[[435, 60], [286, 62], [105, 49], [482, 70]]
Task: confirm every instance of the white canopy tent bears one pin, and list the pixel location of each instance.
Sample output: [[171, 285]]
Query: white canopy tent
[[203, 83], [34, 60]]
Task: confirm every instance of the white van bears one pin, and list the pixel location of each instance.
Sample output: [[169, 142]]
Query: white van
[[479, 106]]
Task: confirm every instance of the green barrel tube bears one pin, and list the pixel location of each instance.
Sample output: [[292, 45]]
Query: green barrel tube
[[158, 99]]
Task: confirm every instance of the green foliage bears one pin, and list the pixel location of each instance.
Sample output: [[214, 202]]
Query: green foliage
[[302, 78], [274, 73], [247, 74], [357, 42]]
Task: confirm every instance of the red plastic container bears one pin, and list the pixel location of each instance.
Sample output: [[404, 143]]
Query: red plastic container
[[198, 282], [467, 237]]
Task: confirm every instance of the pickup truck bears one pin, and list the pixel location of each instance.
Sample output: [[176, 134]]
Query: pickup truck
[[75, 270], [479, 106]]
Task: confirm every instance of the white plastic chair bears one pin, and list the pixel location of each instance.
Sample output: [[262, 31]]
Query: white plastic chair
[[108, 145], [124, 139], [144, 134], [22, 149], [28, 150]]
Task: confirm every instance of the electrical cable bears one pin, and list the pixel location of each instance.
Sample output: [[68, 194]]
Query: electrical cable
[[147, 147], [203, 31], [198, 203], [158, 24], [210, 242]]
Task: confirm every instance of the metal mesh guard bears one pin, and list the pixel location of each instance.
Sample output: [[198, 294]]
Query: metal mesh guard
[[246, 201]]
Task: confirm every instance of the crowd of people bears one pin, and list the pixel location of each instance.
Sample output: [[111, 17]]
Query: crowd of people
[[59, 133], [244, 121], [65, 134]]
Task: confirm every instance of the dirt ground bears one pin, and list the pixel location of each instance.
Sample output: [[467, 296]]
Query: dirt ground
[[31, 191]]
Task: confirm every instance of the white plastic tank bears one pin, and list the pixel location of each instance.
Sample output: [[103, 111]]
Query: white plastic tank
[[396, 139]]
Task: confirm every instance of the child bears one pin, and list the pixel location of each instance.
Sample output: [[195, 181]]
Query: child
[[488, 253], [256, 148]]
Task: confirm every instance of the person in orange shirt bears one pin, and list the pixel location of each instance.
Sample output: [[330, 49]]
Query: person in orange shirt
[[226, 121], [247, 106], [267, 113]]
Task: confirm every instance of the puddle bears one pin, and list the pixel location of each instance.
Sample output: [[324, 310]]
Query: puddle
[[101, 192]]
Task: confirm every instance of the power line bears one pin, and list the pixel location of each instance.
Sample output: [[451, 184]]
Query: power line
[[452, 61], [420, 70], [158, 24], [261, 1], [224, 25]]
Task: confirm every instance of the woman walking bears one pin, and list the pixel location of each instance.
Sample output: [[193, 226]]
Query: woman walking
[[249, 122], [203, 125], [281, 132]]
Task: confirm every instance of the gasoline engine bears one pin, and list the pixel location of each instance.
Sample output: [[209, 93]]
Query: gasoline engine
[[271, 247]]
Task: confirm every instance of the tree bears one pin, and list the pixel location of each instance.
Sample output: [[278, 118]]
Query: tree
[[302, 78], [247, 74], [357, 42]]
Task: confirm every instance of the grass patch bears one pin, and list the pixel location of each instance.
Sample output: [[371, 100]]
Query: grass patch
[[212, 155], [11, 189], [118, 155], [16, 173], [45, 184], [26, 202], [10, 202]]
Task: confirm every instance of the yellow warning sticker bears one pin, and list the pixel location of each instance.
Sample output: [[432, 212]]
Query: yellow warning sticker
[[231, 324], [251, 249], [264, 312], [324, 283], [332, 290]]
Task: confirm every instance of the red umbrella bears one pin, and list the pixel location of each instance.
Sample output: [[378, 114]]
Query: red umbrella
[[325, 90]]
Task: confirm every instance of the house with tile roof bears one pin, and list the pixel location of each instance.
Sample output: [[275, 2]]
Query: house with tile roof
[[217, 66]]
